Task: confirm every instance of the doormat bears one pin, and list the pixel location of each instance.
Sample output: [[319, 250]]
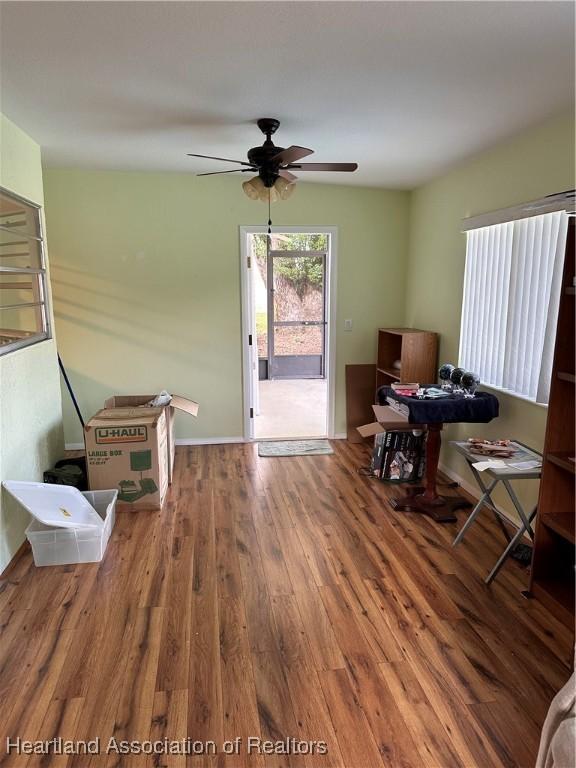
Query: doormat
[[294, 448]]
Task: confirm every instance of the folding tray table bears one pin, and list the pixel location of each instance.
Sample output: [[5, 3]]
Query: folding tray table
[[502, 475]]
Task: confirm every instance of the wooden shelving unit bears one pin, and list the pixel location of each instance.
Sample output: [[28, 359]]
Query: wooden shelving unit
[[553, 560], [416, 351], [562, 459], [562, 524]]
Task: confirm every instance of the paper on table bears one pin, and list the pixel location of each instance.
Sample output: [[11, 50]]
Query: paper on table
[[490, 464], [534, 464]]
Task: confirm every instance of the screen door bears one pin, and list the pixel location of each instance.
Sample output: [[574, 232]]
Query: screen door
[[296, 314]]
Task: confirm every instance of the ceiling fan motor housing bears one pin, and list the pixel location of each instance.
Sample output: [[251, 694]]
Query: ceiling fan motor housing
[[261, 157]]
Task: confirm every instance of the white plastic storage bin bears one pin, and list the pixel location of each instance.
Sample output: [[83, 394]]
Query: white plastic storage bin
[[66, 546]]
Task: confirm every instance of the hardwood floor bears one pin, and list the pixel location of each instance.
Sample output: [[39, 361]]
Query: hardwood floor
[[280, 598]]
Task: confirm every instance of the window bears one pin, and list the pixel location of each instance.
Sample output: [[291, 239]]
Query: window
[[24, 317], [512, 286]]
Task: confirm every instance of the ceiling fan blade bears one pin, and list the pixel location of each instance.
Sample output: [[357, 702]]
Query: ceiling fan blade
[[224, 159], [287, 175], [323, 166], [291, 154], [234, 170]]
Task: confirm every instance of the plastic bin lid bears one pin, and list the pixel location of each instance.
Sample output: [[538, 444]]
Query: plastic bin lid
[[62, 506]]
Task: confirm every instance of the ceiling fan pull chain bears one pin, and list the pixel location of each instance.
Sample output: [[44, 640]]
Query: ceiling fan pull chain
[[269, 214]]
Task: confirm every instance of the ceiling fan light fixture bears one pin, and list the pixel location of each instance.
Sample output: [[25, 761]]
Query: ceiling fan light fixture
[[254, 187], [284, 188], [274, 166], [269, 194]]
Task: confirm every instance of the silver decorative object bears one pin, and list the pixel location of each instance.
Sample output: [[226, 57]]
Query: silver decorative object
[[470, 382], [456, 379], [444, 373]]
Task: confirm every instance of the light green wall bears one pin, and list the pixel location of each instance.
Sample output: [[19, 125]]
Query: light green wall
[[535, 163], [146, 282], [31, 436], [147, 285]]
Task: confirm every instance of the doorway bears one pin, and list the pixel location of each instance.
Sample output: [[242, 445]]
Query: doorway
[[288, 281]]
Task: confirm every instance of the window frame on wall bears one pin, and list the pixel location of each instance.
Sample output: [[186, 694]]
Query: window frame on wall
[[30, 233]]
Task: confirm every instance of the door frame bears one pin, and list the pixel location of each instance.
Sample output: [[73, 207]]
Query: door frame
[[248, 315]]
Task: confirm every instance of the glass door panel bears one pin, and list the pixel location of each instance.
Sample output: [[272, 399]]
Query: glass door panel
[[296, 314]]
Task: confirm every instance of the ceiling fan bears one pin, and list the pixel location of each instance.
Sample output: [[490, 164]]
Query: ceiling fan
[[274, 166]]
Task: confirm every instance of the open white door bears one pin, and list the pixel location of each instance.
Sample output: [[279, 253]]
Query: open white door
[[249, 340], [253, 341]]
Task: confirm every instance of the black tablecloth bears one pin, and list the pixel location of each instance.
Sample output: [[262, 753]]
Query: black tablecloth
[[481, 408]]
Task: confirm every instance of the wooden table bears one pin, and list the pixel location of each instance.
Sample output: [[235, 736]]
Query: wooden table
[[426, 500], [434, 413]]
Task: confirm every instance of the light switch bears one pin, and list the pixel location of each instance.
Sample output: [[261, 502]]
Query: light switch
[[347, 325]]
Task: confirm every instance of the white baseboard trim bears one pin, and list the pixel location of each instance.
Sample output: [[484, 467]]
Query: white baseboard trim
[[338, 436], [74, 446], [208, 440], [473, 490], [468, 487]]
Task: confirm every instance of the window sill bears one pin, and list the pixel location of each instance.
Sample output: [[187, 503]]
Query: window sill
[[510, 393]]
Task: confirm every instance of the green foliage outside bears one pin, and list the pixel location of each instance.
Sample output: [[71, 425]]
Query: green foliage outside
[[302, 273], [261, 322]]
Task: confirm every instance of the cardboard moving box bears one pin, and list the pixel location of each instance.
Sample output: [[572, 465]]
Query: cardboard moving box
[[178, 402], [386, 419], [127, 449]]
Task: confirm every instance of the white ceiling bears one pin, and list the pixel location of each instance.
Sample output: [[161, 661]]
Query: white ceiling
[[403, 88]]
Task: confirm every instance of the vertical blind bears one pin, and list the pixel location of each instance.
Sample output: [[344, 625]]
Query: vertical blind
[[512, 284]]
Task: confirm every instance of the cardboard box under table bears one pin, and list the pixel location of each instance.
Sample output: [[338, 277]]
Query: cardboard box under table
[[179, 403], [127, 449], [386, 419]]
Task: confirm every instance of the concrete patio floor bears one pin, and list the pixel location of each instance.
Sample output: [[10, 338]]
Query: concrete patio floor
[[292, 408]]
